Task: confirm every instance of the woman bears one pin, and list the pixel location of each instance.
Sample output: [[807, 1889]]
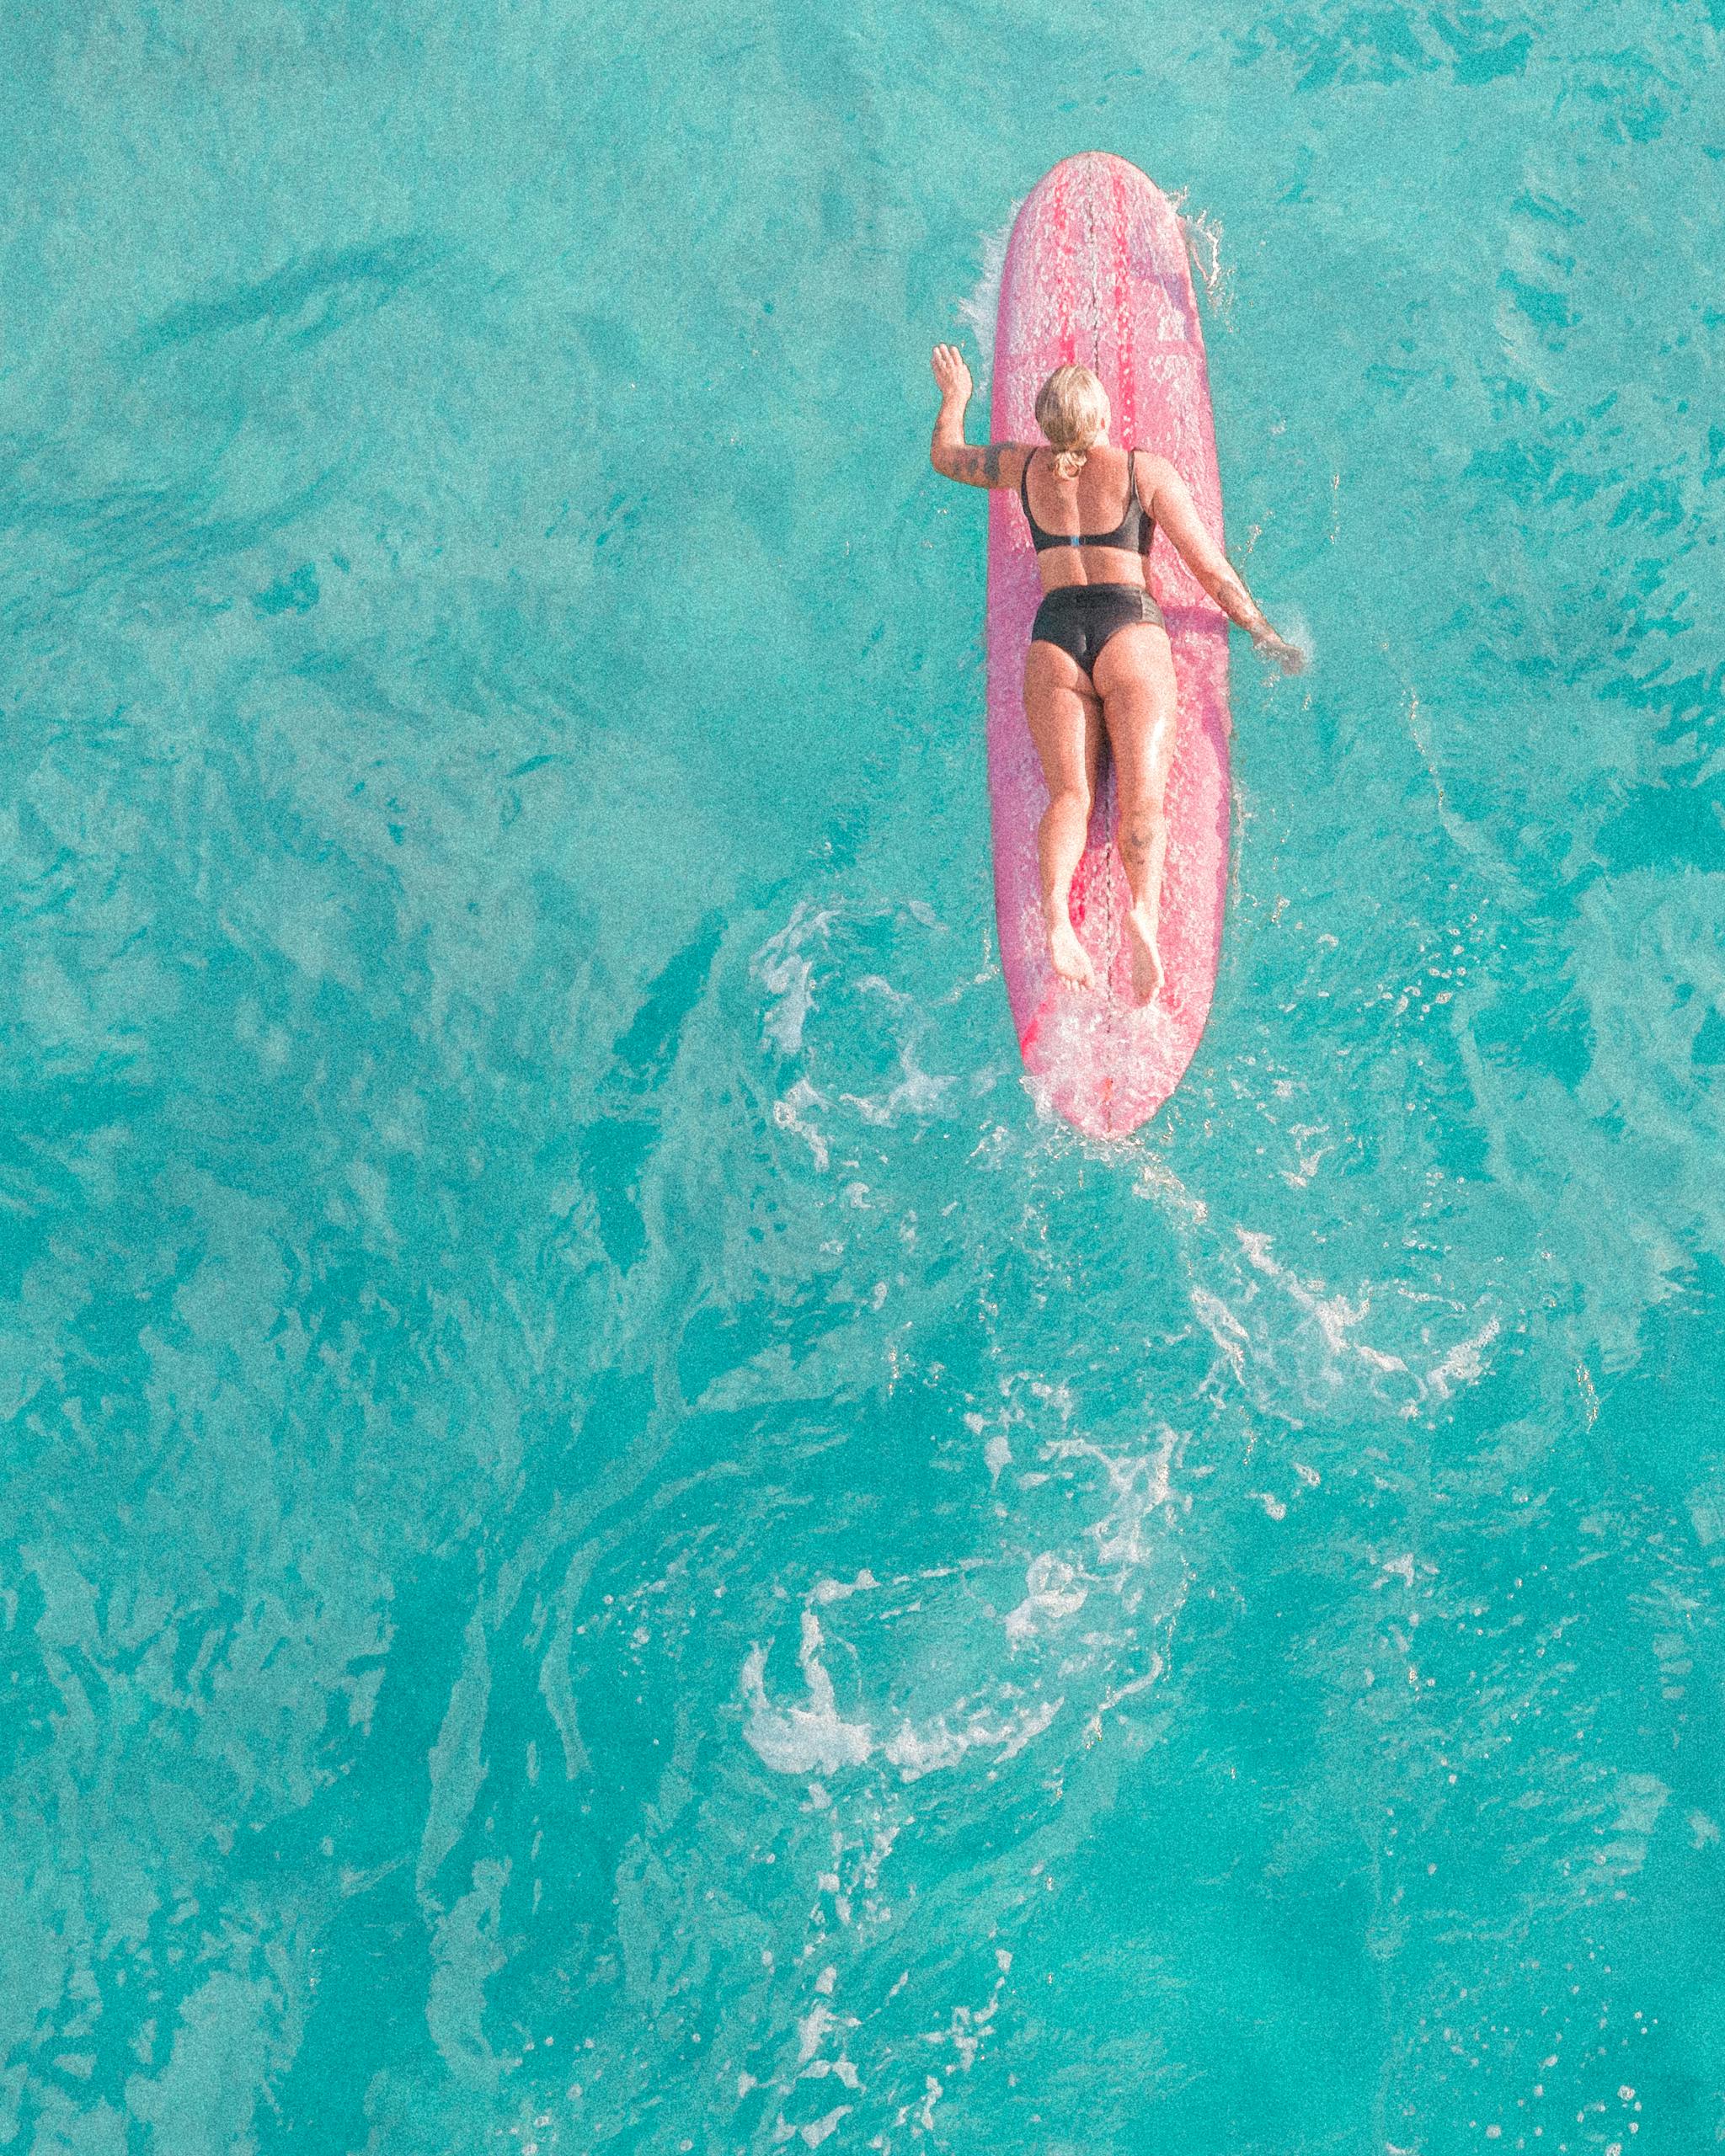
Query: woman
[[1099, 651]]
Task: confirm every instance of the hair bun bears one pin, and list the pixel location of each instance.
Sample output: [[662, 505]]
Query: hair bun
[[1072, 411]]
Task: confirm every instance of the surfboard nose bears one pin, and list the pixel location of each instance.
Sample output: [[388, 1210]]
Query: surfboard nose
[[1096, 201], [1093, 174], [1096, 161]]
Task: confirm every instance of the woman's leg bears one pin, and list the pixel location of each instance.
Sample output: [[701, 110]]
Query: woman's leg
[[1135, 673], [1065, 717]]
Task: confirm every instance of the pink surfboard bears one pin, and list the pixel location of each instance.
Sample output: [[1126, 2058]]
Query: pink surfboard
[[1095, 271]]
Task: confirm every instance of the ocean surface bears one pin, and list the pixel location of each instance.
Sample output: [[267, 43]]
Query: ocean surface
[[606, 1545]]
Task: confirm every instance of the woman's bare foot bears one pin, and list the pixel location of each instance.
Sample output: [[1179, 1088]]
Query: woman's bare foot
[[1070, 959], [1146, 958]]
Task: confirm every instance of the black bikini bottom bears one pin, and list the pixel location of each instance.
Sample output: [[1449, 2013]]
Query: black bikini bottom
[[1080, 618]]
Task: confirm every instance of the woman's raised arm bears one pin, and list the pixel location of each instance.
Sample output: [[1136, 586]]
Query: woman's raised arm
[[1164, 493], [1000, 464]]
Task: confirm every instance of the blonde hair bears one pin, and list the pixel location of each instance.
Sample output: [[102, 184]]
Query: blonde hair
[[1072, 410]]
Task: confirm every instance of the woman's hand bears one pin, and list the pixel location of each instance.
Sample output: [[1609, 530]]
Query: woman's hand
[[1170, 502], [1288, 656], [952, 374]]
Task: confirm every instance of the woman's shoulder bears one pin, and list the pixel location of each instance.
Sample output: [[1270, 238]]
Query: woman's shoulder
[[1152, 469]]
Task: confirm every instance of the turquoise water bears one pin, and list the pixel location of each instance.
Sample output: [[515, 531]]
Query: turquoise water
[[606, 1545]]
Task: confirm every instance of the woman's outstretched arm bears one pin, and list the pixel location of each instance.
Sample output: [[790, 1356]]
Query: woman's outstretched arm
[[1000, 464], [1165, 495]]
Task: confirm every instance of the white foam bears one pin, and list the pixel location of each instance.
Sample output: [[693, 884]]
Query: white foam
[[815, 2134], [1224, 1328], [1296, 627], [799, 1740], [788, 1114], [1140, 1485], [788, 976], [838, 1590], [916, 1090], [1203, 235], [811, 2031], [1112, 1697], [916, 1752], [1050, 1594], [1464, 1365], [981, 311], [787, 979]]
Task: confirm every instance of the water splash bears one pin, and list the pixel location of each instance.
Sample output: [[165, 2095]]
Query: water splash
[[981, 309], [1202, 235], [1296, 627]]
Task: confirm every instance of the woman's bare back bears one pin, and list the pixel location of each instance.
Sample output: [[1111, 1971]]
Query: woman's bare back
[[1100, 499]]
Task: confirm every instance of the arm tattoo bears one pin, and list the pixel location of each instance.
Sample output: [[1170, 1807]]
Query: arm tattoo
[[978, 467], [1235, 600]]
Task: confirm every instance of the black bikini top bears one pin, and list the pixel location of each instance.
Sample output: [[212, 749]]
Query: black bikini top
[[1133, 532]]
